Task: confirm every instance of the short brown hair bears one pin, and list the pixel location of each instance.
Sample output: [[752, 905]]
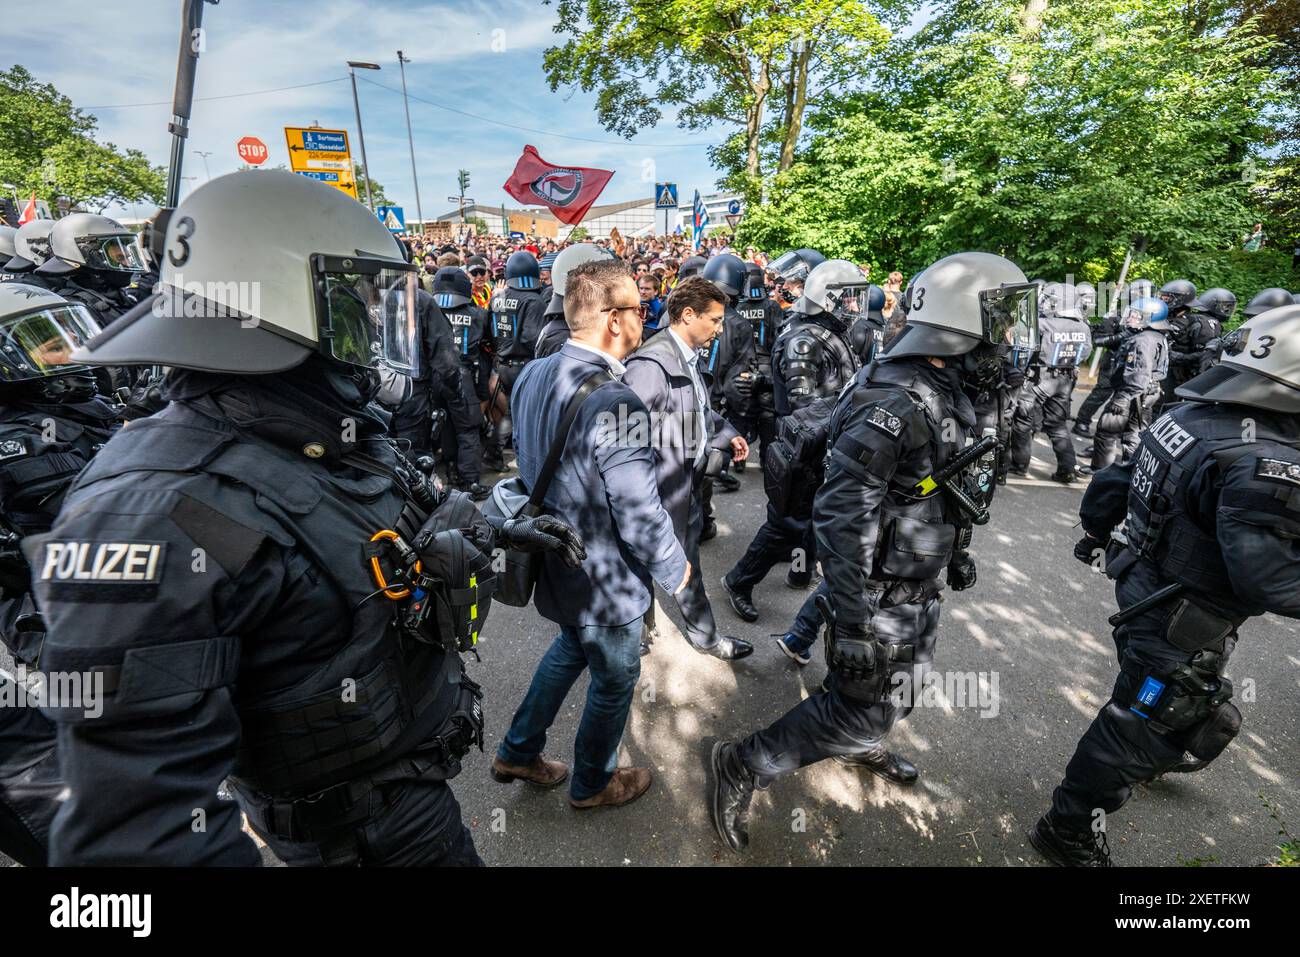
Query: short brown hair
[[588, 288], [696, 294], [448, 259]]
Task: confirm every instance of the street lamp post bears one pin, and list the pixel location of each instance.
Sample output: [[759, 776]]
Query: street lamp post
[[356, 105], [401, 62], [205, 156]]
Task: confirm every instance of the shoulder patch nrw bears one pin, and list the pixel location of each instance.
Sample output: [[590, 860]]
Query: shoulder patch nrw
[[12, 449], [1277, 470], [881, 418]]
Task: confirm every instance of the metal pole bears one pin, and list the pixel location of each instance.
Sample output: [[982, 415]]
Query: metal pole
[[205, 156], [183, 95], [401, 62], [365, 165]]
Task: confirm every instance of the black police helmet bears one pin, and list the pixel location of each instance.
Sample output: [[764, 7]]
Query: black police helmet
[[452, 286], [727, 272], [522, 271], [1178, 293], [1266, 299]]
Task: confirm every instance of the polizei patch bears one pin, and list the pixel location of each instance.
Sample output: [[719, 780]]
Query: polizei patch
[[103, 563], [1277, 470], [885, 421], [1171, 436], [12, 449]]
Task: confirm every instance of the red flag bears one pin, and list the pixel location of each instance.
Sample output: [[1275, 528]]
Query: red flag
[[29, 211], [567, 191]]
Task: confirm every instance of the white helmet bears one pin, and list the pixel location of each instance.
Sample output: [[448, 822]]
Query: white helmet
[[39, 330], [1260, 366], [965, 300], [568, 258], [31, 245], [85, 240], [262, 268], [7, 250], [836, 287]]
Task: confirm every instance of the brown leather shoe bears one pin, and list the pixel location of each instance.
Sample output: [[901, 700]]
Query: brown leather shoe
[[541, 773], [624, 787]]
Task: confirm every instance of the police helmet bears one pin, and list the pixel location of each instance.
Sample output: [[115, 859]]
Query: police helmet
[[452, 287], [263, 268], [965, 300], [7, 250], [94, 243], [568, 258], [1266, 299], [691, 266], [1146, 313], [836, 288], [522, 271], [797, 264], [727, 272], [1218, 302], [875, 302], [755, 287], [1260, 365], [39, 331], [31, 245], [1178, 293]]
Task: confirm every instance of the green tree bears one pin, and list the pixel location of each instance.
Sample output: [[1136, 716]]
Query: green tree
[[750, 64], [48, 145], [1051, 133]]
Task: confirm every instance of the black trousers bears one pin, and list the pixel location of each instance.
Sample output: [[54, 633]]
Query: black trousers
[[1096, 399], [411, 823], [29, 782], [1117, 437], [779, 540], [1045, 407], [840, 721]]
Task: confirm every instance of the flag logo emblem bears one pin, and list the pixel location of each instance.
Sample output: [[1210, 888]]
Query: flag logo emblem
[[558, 187]]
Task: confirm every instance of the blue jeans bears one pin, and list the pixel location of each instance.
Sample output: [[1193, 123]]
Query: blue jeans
[[808, 623], [613, 653]]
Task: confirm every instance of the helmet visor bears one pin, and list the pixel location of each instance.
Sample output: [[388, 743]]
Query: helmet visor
[[40, 343], [1009, 315], [789, 267], [848, 302], [369, 316], [117, 253]]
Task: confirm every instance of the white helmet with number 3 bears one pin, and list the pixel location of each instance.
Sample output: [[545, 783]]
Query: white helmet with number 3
[[259, 270], [1260, 366]]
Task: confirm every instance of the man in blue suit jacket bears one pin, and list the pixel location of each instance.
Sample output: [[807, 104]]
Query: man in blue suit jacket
[[605, 487], [685, 428]]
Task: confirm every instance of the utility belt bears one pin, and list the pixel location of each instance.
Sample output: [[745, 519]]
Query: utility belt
[[1193, 702], [891, 591], [504, 363], [1062, 372], [319, 816]]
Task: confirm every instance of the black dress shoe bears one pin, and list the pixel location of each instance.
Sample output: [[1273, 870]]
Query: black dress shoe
[[799, 582], [883, 764], [1065, 478], [733, 789], [742, 605], [729, 649], [709, 531], [1069, 848], [1188, 765], [1082, 428], [645, 649], [727, 482]]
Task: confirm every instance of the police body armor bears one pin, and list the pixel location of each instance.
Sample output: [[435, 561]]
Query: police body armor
[[1065, 343], [1172, 450], [375, 694], [508, 306], [809, 360]]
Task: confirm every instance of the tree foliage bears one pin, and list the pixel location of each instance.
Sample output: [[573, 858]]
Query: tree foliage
[[48, 145], [1050, 132]]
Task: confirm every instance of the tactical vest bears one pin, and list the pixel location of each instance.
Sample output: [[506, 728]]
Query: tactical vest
[[1172, 450], [464, 333], [755, 311], [838, 365], [507, 304], [42, 448], [1064, 342], [381, 694]]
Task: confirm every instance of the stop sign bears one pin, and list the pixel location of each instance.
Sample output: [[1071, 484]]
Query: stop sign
[[252, 151]]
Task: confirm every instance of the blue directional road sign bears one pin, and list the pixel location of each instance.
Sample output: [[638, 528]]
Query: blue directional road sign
[[394, 217], [733, 207], [665, 195]]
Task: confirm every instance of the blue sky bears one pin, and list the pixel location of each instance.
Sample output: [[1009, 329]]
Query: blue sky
[[483, 58]]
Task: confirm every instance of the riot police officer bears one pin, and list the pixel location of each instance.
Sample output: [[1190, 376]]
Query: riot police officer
[[1109, 334], [728, 367], [555, 333], [51, 423], [1065, 342], [793, 269], [1194, 341], [93, 260], [237, 571], [1266, 299], [812, 361], [7, 252], [1140, 369], [471, 334], [1211, 517], [31, 249], [516, 320], [765, 318], [867, 332], [885, 543]]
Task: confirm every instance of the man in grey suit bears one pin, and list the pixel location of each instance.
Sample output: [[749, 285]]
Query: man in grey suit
[[684, 428], [605, 488]]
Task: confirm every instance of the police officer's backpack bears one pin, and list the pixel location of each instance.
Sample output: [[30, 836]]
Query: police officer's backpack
[[794, 465]]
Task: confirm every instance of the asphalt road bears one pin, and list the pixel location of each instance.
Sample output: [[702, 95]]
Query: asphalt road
[[1034, 628]]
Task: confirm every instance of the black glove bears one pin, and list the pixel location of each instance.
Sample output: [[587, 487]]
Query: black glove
[[1014, 377], [853, 654], [544, 533], [743, 385], [1117, 407], [961, 572], [1085, 549]]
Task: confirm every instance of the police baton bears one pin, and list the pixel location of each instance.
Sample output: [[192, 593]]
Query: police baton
[[1158, 597], [823, 603]]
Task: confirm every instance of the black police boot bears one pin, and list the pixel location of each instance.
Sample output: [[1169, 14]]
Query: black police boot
[[727, 482], [1065, 478], [799, 581], [742, 605], [882, 763], [733, 789], [1082, 428], [709, 531], [494, 461], [1189, 764], [1069, 848], [729, 649]]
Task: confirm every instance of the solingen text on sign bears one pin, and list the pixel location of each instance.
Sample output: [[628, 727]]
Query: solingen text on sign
[[322, 155]]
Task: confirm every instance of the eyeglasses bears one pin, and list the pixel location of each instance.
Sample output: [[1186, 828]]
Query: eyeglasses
[[641, 308]]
